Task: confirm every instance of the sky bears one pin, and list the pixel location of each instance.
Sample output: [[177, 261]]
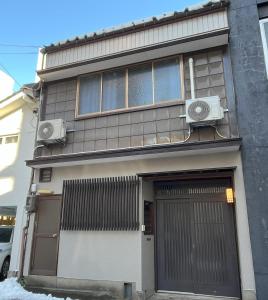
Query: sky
[[26, 25]]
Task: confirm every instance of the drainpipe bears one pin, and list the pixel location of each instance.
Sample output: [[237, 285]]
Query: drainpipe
[[26, 228], [191, 67]]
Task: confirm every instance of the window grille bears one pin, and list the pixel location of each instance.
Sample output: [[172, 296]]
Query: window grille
[[101, 204]]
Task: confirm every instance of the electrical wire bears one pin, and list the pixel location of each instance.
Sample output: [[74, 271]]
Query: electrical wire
[[17, 53], [5, 69], [218, 133], [18, 46]]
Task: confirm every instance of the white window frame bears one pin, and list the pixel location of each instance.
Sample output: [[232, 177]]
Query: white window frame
[[264, 43], [4, 137]]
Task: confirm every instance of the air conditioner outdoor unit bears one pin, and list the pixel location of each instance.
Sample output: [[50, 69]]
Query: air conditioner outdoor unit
[[51, 131], [203, 110]]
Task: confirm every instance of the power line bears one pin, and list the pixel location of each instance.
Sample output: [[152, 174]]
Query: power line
[[10, 74], [8, 53], [20, 46]]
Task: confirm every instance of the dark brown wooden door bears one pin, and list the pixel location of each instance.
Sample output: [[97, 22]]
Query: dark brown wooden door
[[46, 236], [196, 243]]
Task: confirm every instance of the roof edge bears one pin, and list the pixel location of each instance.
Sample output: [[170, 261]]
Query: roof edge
[[132, 27]]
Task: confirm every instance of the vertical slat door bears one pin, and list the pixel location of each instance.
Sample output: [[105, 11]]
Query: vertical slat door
[[196, 244]]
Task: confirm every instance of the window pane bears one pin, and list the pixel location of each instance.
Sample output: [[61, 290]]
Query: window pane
[[166, 80], [89, 94], [140, 88], [113, 90], [11, 139], [5, 234]]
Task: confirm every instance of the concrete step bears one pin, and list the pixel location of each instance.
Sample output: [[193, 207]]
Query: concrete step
[[74, 288], [182, 296], [73, 294]]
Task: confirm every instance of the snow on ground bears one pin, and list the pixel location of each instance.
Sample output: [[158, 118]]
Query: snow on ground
[[10, 289]]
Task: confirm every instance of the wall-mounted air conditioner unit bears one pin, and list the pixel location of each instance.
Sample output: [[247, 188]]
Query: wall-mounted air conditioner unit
[[203, 110], [51, 131]]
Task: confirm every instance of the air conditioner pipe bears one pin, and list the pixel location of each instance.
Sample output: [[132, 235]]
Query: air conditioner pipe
[[191, 68]]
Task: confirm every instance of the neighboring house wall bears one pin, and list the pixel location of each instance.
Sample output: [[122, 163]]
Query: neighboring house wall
[[251, 88], [14, 175], [6, 85]]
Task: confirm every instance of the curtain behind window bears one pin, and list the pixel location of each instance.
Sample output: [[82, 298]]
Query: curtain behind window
[[113, 90], [90, 94], [166, 80]]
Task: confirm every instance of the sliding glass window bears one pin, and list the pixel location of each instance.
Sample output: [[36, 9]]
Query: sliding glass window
[[135, 86]]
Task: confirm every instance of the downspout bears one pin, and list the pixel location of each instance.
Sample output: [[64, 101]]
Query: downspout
[[191, 68], [26, 227]]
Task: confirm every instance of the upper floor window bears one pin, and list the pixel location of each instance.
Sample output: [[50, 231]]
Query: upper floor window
[[264, 36], [145, 84], [10, 139]]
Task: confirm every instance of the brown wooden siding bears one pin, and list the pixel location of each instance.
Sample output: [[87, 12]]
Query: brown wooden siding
[[101, 204]]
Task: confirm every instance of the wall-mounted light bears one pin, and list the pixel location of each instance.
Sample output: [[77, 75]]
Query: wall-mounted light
[[229, 195]]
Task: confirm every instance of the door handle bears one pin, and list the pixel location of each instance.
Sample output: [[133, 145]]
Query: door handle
[[54, 235]]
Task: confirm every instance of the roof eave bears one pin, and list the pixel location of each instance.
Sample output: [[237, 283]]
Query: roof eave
[[154, 22]]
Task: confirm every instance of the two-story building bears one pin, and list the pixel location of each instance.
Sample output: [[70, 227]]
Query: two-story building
[[143, 193], [17, 135]]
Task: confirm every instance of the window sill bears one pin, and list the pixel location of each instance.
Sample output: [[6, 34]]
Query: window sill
[[127, 110]]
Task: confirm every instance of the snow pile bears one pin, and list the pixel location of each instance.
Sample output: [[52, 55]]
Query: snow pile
[[10, 289]]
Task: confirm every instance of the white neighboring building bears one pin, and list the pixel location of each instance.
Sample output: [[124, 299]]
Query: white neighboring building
[[17, 135], [6, 85]]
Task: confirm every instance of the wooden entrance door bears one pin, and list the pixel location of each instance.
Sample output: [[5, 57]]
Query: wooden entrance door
[[46, 236], [196, 243]]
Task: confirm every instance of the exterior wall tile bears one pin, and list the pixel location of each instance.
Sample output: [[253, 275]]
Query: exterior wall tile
[[50, 108], [112, 143], [90, 123], [90, 135], [79, 125], [162, 125], [78, 147], [124, 119], [136, 129], [124, 142], [124, 130], [136, 117], [149, 139], [112, 120], [177, 136], [101, 133], [100, 145], [137, 141], [101, 122], [162, 113], [163, 137], [149, 127], [149, 115], [112, 132], [79, 136], [89, 146]]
